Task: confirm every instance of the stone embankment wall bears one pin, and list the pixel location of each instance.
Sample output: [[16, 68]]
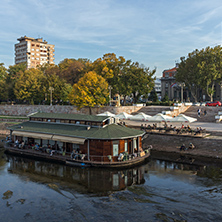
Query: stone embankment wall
[[24, 110]]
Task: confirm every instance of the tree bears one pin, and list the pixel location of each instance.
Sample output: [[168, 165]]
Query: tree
[[14, 73], [165, 98], [153, 95], [210, 69], [141, 80], [71, 70], [3, 84], [201, 70], [90, 91], [29, 86]]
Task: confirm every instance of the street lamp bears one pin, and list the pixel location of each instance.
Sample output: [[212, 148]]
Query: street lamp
[[51, 89], [110, 87], [182, 85]]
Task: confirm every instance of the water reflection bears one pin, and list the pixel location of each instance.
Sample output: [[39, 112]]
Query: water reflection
[[2, 159], [158, 190], [88, 180]]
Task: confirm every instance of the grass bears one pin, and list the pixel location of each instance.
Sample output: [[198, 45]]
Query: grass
[[13, 117]]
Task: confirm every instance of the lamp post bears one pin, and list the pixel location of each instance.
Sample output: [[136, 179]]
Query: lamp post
[[110, 87], [182, 86], [51, 89]]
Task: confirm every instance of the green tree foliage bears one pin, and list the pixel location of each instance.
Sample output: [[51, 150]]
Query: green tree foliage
[[90, 91], [125, 77], [165, 98], [29, 86], [201, 70], [3, 83], [141, 80], [61, 89], [14, 73], [71, 70], [153, 96]]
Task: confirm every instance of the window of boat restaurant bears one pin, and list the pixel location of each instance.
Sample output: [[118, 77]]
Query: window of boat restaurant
[[79, 122]]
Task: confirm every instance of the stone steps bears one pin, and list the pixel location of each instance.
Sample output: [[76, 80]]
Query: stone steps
[[152, 110], [211, 113]]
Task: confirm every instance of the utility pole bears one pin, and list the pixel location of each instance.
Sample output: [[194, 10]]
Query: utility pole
[[51, 89]]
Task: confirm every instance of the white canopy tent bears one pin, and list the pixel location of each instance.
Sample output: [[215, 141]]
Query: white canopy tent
[[124, 116], [183, 119], [107, 113], [141, 117], [160, 118]]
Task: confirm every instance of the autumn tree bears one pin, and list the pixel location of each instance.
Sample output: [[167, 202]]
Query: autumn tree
[[90, 91], [114, 70]]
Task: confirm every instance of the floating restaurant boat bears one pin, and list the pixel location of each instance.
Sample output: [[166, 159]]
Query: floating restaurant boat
[[78, 140]]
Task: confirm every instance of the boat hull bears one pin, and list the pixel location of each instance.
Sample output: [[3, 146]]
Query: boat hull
[[77, 163]]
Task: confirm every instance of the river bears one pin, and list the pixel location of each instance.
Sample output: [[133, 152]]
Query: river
[[157, 191]]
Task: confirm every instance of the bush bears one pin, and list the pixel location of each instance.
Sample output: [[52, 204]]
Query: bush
[[160, 103]]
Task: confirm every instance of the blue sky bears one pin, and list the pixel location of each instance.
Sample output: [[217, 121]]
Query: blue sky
[[155, 33]]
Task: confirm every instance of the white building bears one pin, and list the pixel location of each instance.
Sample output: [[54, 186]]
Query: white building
[[158, 87], [34, 52]]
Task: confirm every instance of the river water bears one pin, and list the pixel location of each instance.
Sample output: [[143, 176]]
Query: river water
[[157, 191]]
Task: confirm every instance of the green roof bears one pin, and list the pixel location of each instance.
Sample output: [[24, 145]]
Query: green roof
[[108, 132], [80, 117]]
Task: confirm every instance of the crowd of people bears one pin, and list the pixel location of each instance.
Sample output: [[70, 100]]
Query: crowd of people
[[170, 128]]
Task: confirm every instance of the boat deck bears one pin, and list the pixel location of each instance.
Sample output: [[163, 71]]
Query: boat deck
[[66, 159]]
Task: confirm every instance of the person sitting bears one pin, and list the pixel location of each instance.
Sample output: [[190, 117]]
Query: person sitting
[[182, 148], [73, 154], [120, 158], [191, 146], [141, 127], [16, 143], [134, 155], [197, 131], [76, 156], [21, 145], [36, 146], [201, 130], [51, 153]]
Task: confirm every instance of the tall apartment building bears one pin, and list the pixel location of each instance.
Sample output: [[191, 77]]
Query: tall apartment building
[[34, 52]]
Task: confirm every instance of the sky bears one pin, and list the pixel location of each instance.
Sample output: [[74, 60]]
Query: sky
[[155, 33]]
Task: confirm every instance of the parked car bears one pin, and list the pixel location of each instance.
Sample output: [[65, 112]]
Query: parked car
[[217, 103]]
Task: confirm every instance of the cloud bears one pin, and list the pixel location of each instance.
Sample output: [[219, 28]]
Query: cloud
[[150, 32]]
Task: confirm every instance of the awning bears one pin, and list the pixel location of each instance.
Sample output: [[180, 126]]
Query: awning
[[68, 139], [33, 135]]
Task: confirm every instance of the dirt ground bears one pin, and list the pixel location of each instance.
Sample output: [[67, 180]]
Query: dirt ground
[[204, 147]]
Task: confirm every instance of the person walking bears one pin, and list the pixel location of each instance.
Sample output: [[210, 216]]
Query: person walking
[[198, 112]]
